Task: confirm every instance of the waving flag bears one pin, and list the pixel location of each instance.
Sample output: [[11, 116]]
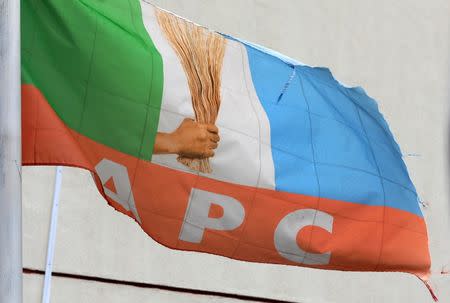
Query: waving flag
[[216, 145]]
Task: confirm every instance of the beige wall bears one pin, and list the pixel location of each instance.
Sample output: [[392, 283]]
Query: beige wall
[[397, 50], [76, 291]]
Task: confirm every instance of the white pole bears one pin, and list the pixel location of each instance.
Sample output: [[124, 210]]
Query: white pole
[[10, 154], [52, 237]]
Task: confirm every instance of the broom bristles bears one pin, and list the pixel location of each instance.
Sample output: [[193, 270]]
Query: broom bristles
[[201, 53]]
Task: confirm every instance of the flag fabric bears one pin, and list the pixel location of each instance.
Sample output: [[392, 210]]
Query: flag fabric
[[216, 145]]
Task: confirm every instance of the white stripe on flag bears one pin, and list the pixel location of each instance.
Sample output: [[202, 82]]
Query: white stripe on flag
[[244, 154]]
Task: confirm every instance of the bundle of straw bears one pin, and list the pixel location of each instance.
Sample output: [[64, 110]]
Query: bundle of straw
[[201, 53]]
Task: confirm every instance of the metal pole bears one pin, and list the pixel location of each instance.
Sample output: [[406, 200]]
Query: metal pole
[[10, 154], [52, 237]]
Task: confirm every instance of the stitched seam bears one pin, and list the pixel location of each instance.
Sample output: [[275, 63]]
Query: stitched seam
[[150, 91], [384, 192], [251, 99], [36, 123], [272, 104], [314, 162], [188, 210], [327, 164], [156, 213], [89, 76]]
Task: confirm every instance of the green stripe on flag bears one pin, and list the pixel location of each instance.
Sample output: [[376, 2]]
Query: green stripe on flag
[[97, 67]]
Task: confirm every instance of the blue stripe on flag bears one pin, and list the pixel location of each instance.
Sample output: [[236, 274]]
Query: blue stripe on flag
[[328, 140]]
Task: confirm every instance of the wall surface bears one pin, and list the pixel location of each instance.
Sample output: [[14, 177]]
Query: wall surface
[[76, 291], [397, 50]]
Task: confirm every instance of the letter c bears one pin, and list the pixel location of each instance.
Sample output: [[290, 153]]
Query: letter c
[[286, 236]]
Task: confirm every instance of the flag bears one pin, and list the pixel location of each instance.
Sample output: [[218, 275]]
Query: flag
[[216, 145]]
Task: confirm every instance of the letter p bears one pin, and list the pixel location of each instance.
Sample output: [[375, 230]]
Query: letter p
[[197, 215]]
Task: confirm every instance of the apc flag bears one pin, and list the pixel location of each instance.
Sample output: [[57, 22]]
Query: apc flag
[[217, 145]]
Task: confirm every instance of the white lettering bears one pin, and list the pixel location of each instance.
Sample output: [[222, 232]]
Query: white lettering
[[108, 169], [286, 236], [197, 215]]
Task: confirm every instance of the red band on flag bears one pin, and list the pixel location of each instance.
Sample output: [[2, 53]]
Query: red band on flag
[[190, 212]]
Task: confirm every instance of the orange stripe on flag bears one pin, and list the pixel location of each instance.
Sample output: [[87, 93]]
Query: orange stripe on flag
[[360, 240]]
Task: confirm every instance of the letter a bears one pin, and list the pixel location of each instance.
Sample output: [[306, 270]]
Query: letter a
[[108, 169]]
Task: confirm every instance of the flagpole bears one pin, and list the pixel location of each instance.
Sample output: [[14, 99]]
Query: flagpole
[[52, 237], [10, 154]]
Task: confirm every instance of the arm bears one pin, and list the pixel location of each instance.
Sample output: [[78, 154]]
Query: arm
[[190, 140]]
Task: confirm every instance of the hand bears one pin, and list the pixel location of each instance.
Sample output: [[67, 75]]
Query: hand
[[190, 140], [195, 140]]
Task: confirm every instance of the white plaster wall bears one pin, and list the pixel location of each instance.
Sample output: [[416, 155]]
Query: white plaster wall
[[397, 50], [76, 291]]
